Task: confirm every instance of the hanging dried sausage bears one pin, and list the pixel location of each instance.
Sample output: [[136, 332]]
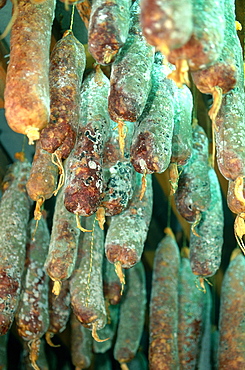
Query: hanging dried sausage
[[27, 87]]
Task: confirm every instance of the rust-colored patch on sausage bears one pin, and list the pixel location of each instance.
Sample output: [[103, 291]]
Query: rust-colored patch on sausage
[[219, 74], [87, 317], [9, 292], [84, 190], [183, 200], [142, 160], [122, 107], [104, 37], [127, 257]]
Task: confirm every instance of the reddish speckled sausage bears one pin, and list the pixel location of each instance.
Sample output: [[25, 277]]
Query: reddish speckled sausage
[[163, 350], [108, 28], [32, 318], [26, 94], [166, 24], [207, 39], [221, 77], [67, 65], [84, 177], [42, 182]]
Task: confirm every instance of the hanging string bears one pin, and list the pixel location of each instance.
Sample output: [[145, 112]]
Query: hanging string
[[72, 17]]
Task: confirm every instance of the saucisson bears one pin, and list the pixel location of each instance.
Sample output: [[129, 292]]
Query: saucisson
[[14, 216], [67, 65], [108, 28], [27, 85], [163, 327]]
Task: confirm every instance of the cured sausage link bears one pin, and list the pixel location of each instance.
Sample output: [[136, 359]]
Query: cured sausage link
[[67, 65], [14, 216], [27, 103]]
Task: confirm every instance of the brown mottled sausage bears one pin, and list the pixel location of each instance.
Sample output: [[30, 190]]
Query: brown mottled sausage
[[84, 10], [42, 182], [152, 139], [65, 75], [27, 87], [108, 28], [207, 39], [63, 246], [131, 73], [236, 195], [86, 285], [231, 321], [221, 77], [14, 216], [190, 324], [84, 177], [163, 350], [229, 123], [166, 24], [32, 318], [127, 231]]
